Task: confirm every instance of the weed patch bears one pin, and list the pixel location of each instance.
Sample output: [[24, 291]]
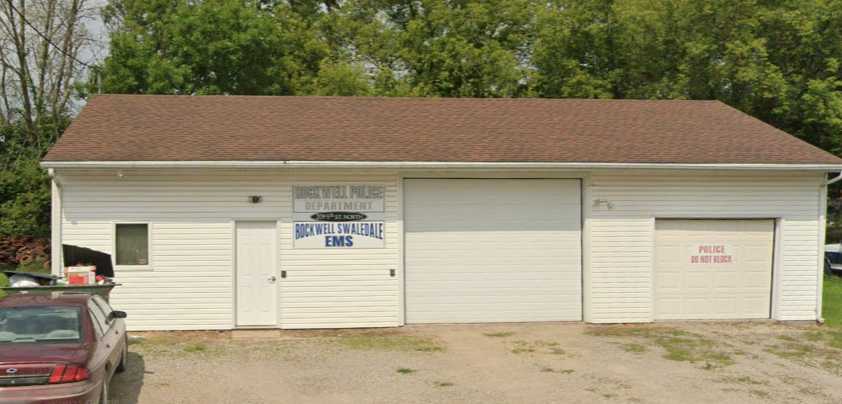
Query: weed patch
[[195, 347], [522, 347], [759, 393], [635, 348], [815, 348], [745, 380], [501, 334], [562, 371], [793, 350], [181, 343], [831, 337], [390, 343], [540, 346], [634, 331], [677, 345], [694, 348], [406, 371]]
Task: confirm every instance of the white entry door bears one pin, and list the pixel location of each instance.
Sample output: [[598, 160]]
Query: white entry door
[[257, 271], [492, 250], [713, 269]]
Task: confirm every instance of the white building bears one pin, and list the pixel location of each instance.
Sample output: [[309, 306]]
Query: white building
[[314, 212]]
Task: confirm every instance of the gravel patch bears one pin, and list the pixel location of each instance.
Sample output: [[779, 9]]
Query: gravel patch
[[688, 362]]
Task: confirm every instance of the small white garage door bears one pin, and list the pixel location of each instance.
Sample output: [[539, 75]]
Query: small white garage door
[[713, 269], [492, 250]]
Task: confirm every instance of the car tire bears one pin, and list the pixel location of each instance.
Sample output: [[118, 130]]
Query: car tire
[[124, 358], [103, 395]]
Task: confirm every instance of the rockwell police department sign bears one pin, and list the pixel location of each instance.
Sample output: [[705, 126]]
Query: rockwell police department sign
[[338, 216]]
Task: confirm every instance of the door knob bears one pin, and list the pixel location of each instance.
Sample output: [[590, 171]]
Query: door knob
[[272, 278]]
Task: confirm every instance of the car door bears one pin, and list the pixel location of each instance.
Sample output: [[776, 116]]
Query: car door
[[108, 340], [115, 329], [101, 354]]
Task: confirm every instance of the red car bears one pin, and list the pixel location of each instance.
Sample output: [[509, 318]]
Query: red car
[[59, 348]]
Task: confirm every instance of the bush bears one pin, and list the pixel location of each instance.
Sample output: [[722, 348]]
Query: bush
[[38, 265], [4, 283], [833, 235], [25, 199]]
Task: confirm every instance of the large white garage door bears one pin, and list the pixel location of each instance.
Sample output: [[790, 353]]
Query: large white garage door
[[713, 269], [491, 250]]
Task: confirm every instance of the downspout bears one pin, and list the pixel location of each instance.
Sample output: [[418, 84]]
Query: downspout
[[822, 235], [57, 259]]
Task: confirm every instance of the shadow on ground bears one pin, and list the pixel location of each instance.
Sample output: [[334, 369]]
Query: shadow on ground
[[126, 386]]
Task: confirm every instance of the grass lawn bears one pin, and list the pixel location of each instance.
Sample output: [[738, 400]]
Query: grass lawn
[[832, 301]]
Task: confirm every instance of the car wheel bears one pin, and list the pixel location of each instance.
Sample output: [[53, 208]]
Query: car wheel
[[103, 396], [124, 358]]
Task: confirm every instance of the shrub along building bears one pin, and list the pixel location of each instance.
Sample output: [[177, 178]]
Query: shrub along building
[[309, 212]]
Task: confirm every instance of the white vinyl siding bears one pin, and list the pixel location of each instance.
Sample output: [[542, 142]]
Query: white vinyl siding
[[190, 284], [191, 214], [492, 250], [623, 209]]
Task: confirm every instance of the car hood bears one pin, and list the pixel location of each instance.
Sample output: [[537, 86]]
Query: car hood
[[28, 352]]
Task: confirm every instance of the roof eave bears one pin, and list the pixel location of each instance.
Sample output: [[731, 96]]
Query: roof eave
[[437, 165]]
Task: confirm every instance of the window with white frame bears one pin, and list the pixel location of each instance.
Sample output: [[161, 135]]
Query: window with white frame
[[131, 244]]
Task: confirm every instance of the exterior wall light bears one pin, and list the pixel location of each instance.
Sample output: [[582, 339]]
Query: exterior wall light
[[599, 202]]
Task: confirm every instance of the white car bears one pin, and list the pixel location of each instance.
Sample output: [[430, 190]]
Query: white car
[[833, 259]]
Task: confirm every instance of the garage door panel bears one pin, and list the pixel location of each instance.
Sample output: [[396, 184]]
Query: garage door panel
[[669, 283], [729, 280], [466, 283], [492, 266], [733, 282], [724, 305], [752, 306], [492, 250], [669, 252], [498, 317], [530, 279], [755, 255], [481, 298]]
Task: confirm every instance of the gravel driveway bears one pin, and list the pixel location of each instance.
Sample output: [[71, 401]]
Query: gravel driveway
[[722, 362]]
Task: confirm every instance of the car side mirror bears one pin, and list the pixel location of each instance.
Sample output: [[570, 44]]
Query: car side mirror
[[116, 314]]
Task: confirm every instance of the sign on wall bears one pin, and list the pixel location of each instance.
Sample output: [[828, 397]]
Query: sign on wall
[[711, 254], [338, 216]]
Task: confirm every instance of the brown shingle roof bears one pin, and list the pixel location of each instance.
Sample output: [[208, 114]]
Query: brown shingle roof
[[221, 128]]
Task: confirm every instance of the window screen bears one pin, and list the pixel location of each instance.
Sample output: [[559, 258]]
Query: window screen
[[132, 244]]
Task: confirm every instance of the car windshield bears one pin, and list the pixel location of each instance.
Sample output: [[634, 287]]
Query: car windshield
[[39, 324]]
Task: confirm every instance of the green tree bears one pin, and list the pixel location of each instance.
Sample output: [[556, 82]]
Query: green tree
[[341, 79], [41, 42], [778, 60], [209, 47], [24, 185], [434, 48], [575, 53]]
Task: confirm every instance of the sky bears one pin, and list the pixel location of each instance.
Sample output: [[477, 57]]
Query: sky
[[96, 27]]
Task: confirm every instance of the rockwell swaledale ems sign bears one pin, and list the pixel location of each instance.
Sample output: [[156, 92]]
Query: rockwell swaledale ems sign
[[338, 216]]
